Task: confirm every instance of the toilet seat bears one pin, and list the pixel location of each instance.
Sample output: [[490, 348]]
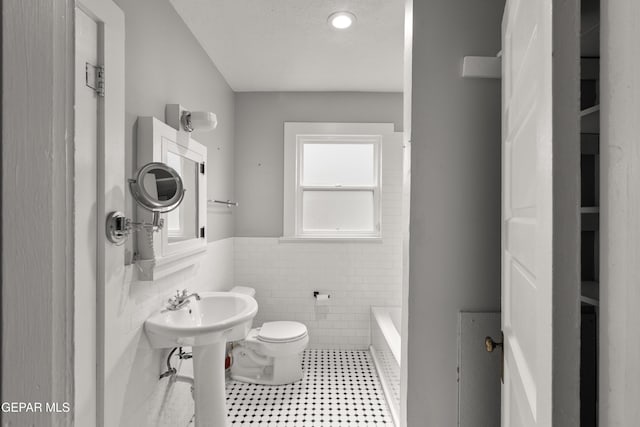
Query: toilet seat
[[281, 332]]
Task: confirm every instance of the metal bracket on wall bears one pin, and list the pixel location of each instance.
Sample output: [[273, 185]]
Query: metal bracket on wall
[[94, 78]]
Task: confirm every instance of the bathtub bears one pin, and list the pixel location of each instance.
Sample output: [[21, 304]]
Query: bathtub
[[385, 351]]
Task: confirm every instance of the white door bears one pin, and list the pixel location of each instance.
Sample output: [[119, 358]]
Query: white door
[[99, 186], [85, 218], [527, 213]]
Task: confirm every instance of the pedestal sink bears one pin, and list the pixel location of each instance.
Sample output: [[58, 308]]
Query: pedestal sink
[[206, 326]]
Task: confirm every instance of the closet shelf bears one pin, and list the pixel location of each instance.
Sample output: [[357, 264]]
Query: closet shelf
[[590, 42], [483, 67], [590, 110], [589, 221], [590, 209], [590, 120], [593, 29], [590, 293]]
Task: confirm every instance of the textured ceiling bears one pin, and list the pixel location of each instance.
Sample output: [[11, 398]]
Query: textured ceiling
[[287, 45]]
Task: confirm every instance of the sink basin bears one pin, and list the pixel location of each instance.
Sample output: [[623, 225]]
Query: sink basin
[[206, 326], [218, 316]]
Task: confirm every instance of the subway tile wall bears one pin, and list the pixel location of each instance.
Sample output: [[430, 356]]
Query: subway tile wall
[[143, 398], [356, 275]]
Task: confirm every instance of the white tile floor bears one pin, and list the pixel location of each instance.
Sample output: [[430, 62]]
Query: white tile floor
[[389, 369], [339, 388]]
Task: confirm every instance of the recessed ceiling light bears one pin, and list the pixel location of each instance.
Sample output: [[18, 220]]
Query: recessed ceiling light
[[341, 20]]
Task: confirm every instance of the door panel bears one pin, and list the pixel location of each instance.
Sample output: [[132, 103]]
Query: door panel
[[85, 221], [527, 213], [110, 164]]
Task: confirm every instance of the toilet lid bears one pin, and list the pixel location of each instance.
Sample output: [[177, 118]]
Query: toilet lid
[[281, 331]]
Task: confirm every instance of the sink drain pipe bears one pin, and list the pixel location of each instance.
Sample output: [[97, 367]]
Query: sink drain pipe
[[173, 372]]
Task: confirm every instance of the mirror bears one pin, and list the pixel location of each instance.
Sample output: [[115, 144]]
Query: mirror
[[157, 188], [183, 222]]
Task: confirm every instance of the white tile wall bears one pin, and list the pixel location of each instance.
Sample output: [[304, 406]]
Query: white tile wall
[[143, 398], [356, 275]]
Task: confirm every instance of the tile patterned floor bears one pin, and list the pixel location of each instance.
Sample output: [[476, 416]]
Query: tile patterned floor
[[339, 389], [390, 370]]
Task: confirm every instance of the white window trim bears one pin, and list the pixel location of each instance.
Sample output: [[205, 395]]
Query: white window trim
[[300, 188], [298, 133]]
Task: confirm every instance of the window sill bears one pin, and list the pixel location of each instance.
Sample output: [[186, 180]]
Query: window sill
[[329, 239]]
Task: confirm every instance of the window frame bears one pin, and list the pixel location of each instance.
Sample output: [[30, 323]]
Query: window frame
[[299, 134], [301, 188]]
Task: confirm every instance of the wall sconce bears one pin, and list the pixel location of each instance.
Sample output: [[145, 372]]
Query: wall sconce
[[198, 120], [182, 119]]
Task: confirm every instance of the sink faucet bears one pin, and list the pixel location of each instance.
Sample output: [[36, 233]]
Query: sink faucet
[[181, 299]]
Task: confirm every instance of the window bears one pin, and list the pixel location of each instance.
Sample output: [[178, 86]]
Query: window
[[332, 181]]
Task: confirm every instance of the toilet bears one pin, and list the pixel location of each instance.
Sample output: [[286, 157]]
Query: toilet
[[270, 354]]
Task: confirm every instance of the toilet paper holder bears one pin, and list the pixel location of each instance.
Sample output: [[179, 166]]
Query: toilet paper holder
[[316, 293]]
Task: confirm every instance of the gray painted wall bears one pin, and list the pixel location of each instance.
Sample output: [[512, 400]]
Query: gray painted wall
[[165, 64], [455, 196], [259, 156]]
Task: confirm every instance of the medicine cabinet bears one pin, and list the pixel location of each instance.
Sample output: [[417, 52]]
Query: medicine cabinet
[[182, 238]]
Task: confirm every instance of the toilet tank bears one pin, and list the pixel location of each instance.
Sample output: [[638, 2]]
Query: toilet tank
[[244, 290]]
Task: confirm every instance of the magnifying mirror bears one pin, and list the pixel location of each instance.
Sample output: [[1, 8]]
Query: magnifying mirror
[[157, 188]]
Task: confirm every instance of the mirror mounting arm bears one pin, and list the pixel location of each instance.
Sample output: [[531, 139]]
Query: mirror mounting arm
[[119, 227], [155, 226]]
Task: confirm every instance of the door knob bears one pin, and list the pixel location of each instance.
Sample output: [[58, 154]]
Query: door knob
[[490, 344]]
